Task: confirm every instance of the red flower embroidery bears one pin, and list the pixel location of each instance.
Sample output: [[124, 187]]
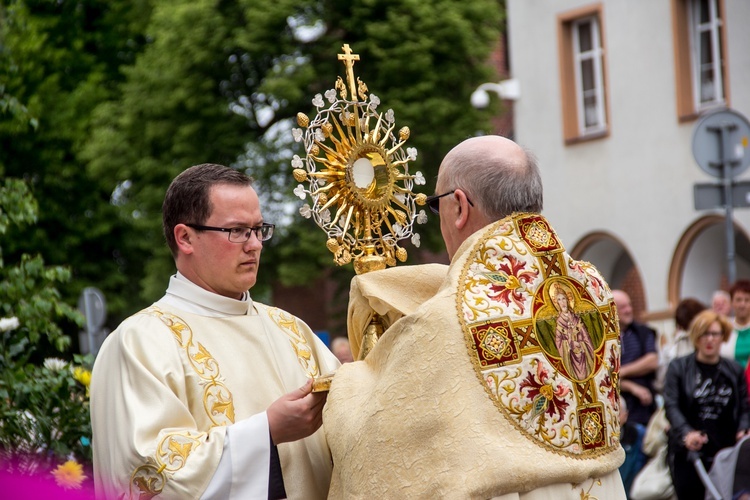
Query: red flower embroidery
[[611, 382], [592, 279], [545, 398], [508, 284]]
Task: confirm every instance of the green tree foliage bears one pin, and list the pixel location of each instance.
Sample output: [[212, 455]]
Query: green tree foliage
[[28, 289], [222, 82], [58, 60], [126, 94], [43, 411]]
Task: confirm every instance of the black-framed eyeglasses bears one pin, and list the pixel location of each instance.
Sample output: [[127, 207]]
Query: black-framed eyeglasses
[[434, 201], [240, 234]]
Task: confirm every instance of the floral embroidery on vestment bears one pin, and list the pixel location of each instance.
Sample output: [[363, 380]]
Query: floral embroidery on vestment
[[173, 450], [217, 399], [171, 455], [542, 334], [585, 494], [288, 325]]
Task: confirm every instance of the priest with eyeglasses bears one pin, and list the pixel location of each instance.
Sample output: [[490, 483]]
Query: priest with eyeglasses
[[207, 393]]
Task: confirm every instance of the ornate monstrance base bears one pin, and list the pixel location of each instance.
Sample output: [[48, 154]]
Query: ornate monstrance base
[[322, 383]]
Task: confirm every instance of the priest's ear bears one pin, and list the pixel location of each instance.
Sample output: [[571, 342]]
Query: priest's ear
[[470, 218], [183, 237], [463, 205]]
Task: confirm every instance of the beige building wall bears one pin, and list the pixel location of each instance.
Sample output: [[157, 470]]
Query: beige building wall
[[635, 184]]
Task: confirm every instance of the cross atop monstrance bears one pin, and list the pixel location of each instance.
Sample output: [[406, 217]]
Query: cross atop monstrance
[[349, 60]]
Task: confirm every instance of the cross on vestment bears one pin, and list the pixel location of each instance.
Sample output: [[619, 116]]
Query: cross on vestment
[[349, 59]]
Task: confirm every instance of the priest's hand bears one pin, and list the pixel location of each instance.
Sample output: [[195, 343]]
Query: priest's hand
[[296, 415]]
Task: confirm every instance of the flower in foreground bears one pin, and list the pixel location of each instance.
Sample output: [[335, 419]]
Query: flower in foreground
[[69, 475], [8, 324], [55, 364], [82, 375]]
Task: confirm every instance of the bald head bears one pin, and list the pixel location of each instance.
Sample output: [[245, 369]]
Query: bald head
[[498, 175], [624, 308], [486, 148], [489, 178]]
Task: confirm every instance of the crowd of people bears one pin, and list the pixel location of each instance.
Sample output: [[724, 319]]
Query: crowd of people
[[687, 396]]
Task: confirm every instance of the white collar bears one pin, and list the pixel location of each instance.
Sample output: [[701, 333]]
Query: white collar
[[186, 295]]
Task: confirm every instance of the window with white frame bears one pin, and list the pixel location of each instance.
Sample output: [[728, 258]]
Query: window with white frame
[[587, 57], [706, 53]]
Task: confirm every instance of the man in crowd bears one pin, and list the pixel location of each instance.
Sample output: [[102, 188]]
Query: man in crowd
[[342, 351], [721, 302], [466, 394], [638, 363], [207, 394]]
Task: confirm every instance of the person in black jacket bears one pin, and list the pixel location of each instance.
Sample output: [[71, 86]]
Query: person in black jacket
[[705, 397]]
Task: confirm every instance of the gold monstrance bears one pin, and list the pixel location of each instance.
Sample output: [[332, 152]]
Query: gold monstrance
[[356, 175]]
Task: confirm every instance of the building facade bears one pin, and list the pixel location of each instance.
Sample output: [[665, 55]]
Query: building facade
[[610, 95]]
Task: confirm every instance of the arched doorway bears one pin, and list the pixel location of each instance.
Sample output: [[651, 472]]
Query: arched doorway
[[699, 263], [615, 263]]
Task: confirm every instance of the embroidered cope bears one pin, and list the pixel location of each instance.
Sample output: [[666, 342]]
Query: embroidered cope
[[503, 383]]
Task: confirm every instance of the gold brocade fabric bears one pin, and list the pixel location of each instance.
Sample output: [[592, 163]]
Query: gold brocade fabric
[[500, 382]]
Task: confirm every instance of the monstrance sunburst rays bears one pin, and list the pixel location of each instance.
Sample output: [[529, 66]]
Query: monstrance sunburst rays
[[356, 174]]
